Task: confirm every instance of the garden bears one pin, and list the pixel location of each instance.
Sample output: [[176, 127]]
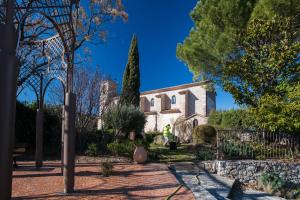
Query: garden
[[249, 49]]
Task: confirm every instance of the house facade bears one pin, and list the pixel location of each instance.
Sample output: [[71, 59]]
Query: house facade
[[190, 102]]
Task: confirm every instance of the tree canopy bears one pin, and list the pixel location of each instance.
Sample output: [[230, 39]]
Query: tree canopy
[[251, 48], [212, 39], [267, 58], [131, 78], [218, 23]]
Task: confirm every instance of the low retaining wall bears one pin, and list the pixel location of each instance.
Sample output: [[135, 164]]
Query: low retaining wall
[[248, 171]]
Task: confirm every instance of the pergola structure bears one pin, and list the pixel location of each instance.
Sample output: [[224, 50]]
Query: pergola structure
[[50, 58], [38, 74]]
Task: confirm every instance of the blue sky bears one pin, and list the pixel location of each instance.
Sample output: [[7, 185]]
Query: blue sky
[[159, 25]]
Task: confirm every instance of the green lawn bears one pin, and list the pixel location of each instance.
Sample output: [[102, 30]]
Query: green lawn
[[183, 153]]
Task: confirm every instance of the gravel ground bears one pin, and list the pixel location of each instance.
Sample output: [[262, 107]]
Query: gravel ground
[[128, 181]]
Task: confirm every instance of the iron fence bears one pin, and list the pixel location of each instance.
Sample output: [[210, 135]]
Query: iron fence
[[240, 144]]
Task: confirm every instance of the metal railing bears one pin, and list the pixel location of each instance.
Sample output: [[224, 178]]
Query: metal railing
[[241, 144]]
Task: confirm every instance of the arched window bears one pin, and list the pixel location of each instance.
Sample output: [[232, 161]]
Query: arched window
[[195, 123], [173, 99], [152, 102]]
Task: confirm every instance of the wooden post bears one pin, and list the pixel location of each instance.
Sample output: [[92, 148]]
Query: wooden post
[[39, 128], [62, 138], [8, 82], [69, 143], [39, 138]]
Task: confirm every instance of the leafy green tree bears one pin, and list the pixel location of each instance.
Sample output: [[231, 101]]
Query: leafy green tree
[[279, 113], [124, 119], [233, 119], [265, 75], [218, 23], [131, 78], [213, 38], [256, 60], [268, 57], [268, 9]]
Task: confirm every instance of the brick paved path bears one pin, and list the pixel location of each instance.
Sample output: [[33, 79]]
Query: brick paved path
[[129, 181]]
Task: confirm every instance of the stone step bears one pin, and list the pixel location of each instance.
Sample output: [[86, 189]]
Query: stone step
[[209, 186], [203, 186], [218, 187]]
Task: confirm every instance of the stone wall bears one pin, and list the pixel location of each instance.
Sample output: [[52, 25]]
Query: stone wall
[[248, 171]]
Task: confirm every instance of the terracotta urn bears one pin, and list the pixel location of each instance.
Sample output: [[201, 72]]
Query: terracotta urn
[[140, 155]]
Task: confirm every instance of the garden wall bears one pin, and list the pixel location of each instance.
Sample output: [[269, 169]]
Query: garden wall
[[248, 171]]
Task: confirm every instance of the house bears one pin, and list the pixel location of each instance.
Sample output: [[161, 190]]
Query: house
[[189, 102]]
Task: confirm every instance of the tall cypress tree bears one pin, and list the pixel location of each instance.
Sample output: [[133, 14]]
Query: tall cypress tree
[[131, 77]]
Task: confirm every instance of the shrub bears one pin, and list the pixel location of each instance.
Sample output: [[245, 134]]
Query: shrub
[[204, 134], [122, 148], [271, 182], [25, 128], [236, 119], [149, 138], [106, 168], [205, 154], [141, 142], [124, 119], [92, 150], [235, 149], [215, 118], [151, 135], [88, 138], [159, 140]]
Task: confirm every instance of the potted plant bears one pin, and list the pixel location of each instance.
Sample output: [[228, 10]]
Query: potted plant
[[106, 168], [140, 154]]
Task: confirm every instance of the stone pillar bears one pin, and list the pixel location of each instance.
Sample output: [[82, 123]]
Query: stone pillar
[[162, 102], [185, 102], [69, 143], [144, 104], [163, 98], [39, 137], [8, 82], [157, 103]]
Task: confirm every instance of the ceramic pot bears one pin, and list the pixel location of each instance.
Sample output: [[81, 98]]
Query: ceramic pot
[[140, 155]]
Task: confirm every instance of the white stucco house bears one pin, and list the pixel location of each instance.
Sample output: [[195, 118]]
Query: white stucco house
[[164, 106]]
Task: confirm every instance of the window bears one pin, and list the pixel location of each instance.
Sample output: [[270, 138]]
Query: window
[[152, 102], [195, 123], [173, 99]]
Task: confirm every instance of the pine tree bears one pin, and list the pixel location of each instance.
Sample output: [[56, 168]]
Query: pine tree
[[131, 78]]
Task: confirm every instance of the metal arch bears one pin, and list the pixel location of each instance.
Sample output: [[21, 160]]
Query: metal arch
[[22, 24], [60, 15], [35, 91], [36, 87], [59, 12], [59, 38], [52, 45], [54, 70], [49, 82], [56, 67]]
